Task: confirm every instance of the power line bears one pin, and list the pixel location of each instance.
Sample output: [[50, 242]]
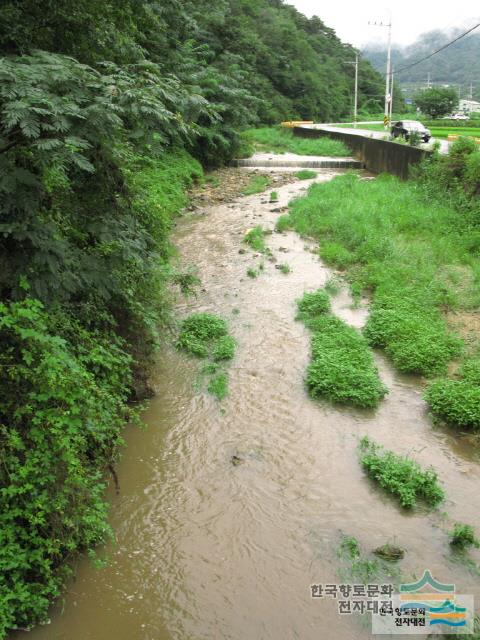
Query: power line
[[414, 64]]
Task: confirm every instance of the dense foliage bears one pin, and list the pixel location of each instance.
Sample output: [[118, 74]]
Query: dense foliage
[[107, 112], [437, 101]]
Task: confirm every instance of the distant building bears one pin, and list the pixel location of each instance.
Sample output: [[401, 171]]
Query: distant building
[[469, 106]]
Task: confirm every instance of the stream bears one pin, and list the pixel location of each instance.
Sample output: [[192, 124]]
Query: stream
[[206, 550]]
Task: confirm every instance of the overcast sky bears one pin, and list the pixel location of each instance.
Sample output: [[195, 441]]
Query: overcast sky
[[410, 18]]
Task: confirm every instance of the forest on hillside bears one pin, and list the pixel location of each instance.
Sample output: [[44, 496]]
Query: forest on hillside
[[108, 112], [459, 64]]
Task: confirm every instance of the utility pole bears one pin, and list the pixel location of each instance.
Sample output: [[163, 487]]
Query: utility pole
[[355, 104], [388, 96], [391, 99]]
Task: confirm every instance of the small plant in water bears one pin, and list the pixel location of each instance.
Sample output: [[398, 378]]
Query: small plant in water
[[463, 536], [218, 386], [255, 238], [400, 475], [205, 335], [274, 196], [252, 273], [284, 268]]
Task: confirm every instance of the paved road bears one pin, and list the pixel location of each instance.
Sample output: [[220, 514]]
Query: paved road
[[444, 145]]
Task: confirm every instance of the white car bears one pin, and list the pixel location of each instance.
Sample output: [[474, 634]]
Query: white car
[[459, 116]]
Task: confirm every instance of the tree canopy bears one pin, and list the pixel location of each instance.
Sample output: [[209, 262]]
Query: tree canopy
[[437, 101]]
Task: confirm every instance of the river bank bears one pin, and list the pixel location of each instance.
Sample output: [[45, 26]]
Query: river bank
[[206, 549]]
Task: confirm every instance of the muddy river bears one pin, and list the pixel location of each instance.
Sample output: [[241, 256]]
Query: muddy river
[[206, 550]]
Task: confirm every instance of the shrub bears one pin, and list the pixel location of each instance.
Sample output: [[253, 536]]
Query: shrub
[[400, 475], [284, 268], [62, 411]]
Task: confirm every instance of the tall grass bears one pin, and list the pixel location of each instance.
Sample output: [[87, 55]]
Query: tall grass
[[418, 258], [281, 140]]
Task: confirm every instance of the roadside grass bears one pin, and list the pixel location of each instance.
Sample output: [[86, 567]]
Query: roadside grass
[[257, 184], [282, 140], [400, 475], [206, 336], [342, 369]]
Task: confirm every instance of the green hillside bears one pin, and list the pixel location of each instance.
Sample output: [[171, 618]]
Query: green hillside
[[458, 65]]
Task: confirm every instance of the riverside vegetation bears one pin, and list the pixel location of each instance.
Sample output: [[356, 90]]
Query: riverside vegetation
[[342, 369], [108, 111], [414, 247]]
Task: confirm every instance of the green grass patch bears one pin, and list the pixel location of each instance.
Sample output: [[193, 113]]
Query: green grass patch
[[283, 224], [412, 256], [256, 184], [284, 268], [414, 338], [312, 305], [400, 475], [282, 140], [306, 174], [457, 401], [218, 386], [444, 132], [342, 368], [463, 536], [205, 335], [252, 273], [255, 238]]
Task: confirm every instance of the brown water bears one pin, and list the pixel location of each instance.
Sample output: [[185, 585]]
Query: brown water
[[205, 550]]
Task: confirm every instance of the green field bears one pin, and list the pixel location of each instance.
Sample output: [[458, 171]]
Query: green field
[[279, 140], [443, 132]]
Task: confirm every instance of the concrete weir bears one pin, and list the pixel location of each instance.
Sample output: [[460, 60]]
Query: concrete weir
[[270, 160]]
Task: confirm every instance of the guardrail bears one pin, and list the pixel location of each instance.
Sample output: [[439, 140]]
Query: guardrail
[[295, 123], [378, 156]]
